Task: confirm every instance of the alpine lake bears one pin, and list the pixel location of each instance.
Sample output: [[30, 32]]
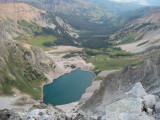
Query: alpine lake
[[67, 88]]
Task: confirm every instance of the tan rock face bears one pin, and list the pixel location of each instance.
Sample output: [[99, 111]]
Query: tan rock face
[[18, 11]]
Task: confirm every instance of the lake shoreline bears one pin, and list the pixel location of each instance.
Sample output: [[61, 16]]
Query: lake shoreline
[[43, 84], [57, 56], [77, 71], [70, 72]]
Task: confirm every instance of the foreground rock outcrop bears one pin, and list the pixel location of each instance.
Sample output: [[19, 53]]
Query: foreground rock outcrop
[[140, 106], [42, 112], [115, 86], [37, 112], [136, 105]]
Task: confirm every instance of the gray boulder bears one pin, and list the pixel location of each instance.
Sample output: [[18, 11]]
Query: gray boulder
[[137, 91], [157, 107], [129, 117], [149, 101], [41, 114], [146, 117], [130, 106], [135, 117], [150, 111]]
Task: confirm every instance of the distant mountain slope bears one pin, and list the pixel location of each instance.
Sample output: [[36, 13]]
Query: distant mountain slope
[[138, 2], [86, 18], [19, 11], [68, 7], [115, 7], [33, 22], [140, 33], [152, 17], [153, 2]]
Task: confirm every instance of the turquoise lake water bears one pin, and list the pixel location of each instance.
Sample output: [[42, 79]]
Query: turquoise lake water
[[67, 88]]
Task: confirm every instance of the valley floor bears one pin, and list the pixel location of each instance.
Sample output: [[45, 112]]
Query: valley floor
[[63, 66]]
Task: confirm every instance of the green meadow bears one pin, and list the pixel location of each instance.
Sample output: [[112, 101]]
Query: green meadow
[[39, 40], [103, 62]]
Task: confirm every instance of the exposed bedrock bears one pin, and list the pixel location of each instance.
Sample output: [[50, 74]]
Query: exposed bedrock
[[137, 105], [115, 85]]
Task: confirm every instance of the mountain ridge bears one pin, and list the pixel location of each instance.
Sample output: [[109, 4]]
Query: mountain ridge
[[68, 7], [140, 34]]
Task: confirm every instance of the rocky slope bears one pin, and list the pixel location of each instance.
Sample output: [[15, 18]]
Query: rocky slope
[[25, 68], [137, 105], [22, 67], [30, 20], [115, 85], [42, 112], [141, 33]]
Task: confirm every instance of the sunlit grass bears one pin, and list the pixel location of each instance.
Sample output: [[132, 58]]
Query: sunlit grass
[[103, 62], [39, 40]]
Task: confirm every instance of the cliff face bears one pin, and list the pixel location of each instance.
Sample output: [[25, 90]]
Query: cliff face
[[115, 85]]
